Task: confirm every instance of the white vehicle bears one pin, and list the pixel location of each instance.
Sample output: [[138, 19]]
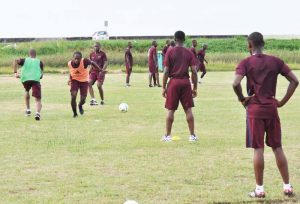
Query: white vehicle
[[100, 35]]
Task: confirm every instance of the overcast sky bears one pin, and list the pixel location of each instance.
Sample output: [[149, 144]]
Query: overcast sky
[[69, 18]]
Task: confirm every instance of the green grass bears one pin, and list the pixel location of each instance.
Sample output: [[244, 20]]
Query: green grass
[[106, 156]]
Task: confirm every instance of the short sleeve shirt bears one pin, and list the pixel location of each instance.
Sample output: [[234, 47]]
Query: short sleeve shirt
[[99, 58], [178, 60], [261, 72]]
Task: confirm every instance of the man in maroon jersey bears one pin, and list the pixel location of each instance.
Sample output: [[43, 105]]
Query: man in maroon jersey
[[193, 48], [153, 65], [201, 57], [177, 63], [165, 49], [261, 106], [128, 63], [100, 58]]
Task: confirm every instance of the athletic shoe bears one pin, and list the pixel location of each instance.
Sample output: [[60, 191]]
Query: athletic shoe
[[75, 115], [81, 111], [127, 85], [27, 112], [166, 138], [150, 85], [289, 192], [193, 138], [158, 85], [93, 102], [37, 116], [254, 194], [102, 102]]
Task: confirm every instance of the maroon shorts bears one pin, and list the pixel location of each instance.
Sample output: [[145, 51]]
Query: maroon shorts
[[82, 86], [36, 88], [179, 90], [256, 129], [97, 76], [153, 69], [201, 67]]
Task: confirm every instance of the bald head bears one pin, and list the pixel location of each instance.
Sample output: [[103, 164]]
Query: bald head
[[97, 47], [32, 53]]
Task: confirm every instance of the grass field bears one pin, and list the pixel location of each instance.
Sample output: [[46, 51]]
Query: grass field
[[107, 157]]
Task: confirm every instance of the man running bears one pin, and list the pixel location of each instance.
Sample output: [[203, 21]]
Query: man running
[[177, 63], [261, 71], [31, 73], [79, 76], [128, 63], [100, 58], [201, 57]]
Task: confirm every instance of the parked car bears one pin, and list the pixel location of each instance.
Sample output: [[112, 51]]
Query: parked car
[[100, 35]]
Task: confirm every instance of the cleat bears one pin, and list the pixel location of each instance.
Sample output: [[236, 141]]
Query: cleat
[[37, 116], [102, 102], [150, 85], [166, 138], [254, 194], [289, 192], [193, 138], [75, 115], [158, 85], [81, 111], [27, 112], [93, 102]]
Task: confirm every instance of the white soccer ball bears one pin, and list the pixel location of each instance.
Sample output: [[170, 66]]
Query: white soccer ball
[[131, 202], [123, 107]]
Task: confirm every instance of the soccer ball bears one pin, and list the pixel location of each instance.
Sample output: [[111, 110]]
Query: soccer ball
[[123, 107], [131, 202]]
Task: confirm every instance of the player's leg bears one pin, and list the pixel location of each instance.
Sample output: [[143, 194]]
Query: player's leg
[[100, 82], [37, 93], [190, 120], [169, 121], [171, 104], [255, 139], [27, 88], [157, 78], [154, 79], [74, 89], [92, 80], [27, 102], [273, 139], [83, 93], [203, 72], [150, 79]]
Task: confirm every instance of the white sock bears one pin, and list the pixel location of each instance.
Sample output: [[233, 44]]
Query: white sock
[[93, 99], [259, 189], [28, 109], [287, 186]]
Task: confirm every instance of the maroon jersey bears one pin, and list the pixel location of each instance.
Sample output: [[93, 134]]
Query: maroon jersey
[[261, 71], [128, 56], [193, 50], [152, 54], [201, 55], [99, 58], [165, 49], [178, 60]]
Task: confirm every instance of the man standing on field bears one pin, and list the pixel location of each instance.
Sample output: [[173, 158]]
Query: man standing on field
[[261, 106], [177, 63], [153, 65], [100, 58], [31, 73], [79, 76], [128, 63]]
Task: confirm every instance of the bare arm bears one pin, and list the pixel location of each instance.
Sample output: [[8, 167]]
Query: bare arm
[[15, 67], [105, 65], [194, 80], [165, 80], [291, 77], [95, 64], [237, 87]]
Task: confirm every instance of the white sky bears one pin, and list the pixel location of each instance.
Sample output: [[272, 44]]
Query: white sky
[[69, 18]]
